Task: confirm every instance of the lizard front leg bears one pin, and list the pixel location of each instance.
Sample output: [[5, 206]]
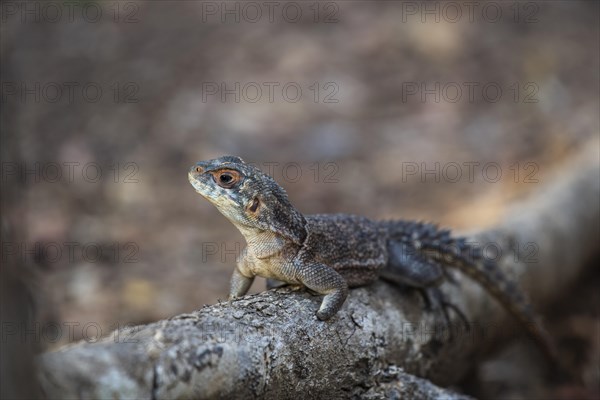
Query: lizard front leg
[[324, 280], [240, 283]]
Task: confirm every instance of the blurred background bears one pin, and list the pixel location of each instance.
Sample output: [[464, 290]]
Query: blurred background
[[422, 110]]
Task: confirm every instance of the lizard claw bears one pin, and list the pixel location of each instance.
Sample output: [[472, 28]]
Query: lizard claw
[[435, 300]]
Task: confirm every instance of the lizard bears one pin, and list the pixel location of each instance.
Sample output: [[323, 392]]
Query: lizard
[[330, 253]]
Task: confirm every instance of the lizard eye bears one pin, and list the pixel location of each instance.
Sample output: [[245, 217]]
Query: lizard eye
[[227, 178]]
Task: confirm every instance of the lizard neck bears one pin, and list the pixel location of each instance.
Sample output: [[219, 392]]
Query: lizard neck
[[278, 219], [264, 244]]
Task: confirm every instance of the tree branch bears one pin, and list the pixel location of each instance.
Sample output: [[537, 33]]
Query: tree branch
[[271, 345]]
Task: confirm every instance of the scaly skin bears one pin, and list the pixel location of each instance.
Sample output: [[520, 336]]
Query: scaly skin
[[331, 252]]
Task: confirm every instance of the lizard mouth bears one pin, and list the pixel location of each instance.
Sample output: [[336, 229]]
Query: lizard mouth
[[198, 185], [207, 190]]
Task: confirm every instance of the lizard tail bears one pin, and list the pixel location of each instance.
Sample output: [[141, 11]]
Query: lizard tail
[[452, 252]]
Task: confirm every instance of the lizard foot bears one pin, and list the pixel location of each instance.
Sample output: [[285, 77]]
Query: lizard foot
[[436, 301]]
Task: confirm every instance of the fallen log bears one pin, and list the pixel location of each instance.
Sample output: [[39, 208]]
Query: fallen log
[[271, 345]]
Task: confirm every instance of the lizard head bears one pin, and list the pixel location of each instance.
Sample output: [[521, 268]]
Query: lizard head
[[249, 198]]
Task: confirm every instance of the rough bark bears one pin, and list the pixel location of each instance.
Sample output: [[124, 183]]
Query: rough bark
[[271, 345]]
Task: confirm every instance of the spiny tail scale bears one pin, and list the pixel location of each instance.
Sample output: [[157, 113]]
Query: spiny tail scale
[[457, 253]]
